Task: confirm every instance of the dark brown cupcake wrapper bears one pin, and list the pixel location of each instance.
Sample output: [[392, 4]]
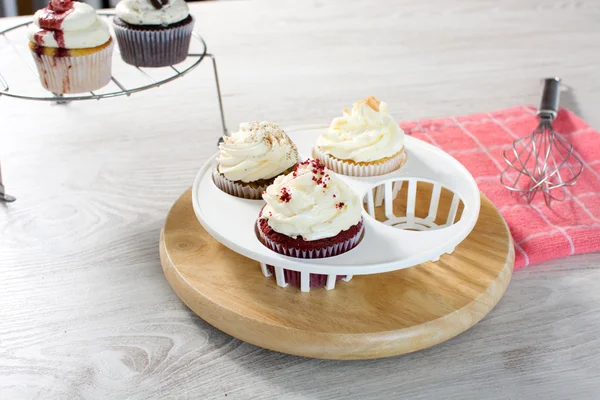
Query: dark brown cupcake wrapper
[[293, 277], [154, 48], [316, 280], [323, 252]]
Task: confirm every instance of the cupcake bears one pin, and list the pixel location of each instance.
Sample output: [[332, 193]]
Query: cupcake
[[310, 213], [71, 47], [153, 33], [250, 159], [363, 142]]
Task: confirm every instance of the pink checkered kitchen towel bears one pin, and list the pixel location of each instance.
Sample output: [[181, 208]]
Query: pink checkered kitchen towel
[[571, 226]]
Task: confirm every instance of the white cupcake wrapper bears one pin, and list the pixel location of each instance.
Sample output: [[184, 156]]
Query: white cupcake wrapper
[[154, 48], [328, 251], [80, 74], [350, 169], [236, 189]]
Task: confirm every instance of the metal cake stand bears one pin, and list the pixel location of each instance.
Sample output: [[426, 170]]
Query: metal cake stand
[[123, 88]]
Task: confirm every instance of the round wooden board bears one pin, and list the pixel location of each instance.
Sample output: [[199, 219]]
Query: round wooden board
[[371, 316]]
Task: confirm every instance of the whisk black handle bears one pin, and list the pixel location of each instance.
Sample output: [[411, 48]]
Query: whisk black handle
[[550, 97]]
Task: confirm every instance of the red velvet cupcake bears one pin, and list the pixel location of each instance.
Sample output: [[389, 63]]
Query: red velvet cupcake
[[310, 213]]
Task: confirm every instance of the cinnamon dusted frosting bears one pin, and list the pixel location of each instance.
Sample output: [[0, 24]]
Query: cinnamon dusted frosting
[[367, 133], [258, 150], [68, 24], [311, 202]]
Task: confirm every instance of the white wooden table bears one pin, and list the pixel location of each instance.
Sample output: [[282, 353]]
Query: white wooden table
[[85, 311]]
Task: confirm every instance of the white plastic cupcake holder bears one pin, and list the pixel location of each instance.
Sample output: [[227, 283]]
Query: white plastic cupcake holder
[[397, 243]]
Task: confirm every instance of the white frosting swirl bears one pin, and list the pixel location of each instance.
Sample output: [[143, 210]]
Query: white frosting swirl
[[259, 150], [81, 28], [311, 202], [367, 133], [142, 12]]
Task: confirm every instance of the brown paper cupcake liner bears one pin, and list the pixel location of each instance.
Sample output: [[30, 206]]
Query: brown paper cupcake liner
[[237, 189]]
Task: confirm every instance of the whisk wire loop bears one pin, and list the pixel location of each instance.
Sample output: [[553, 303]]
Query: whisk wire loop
[[543, 161]]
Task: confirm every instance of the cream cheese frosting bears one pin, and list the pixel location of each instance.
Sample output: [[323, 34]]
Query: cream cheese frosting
[[68, 25], [311, 202], [367, 133], [258, 150], [152, 12]]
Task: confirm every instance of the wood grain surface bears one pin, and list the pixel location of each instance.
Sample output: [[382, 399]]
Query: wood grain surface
[[372, 316], [85, 310]]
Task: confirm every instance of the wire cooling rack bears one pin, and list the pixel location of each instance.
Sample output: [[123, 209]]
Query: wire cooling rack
[[13, 47]]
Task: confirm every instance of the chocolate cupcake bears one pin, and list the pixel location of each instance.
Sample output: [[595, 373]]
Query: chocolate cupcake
[[71, 47], [310, 213], [366, 141], [250, 159], [153, 33]]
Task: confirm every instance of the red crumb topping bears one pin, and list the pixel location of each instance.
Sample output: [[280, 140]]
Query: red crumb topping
[[320, 175], [334, 196], [285, 196], [340, 205]]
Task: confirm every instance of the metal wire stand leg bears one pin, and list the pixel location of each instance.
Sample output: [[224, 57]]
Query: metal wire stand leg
[[4, 197], [59, 99], [214, 63]]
